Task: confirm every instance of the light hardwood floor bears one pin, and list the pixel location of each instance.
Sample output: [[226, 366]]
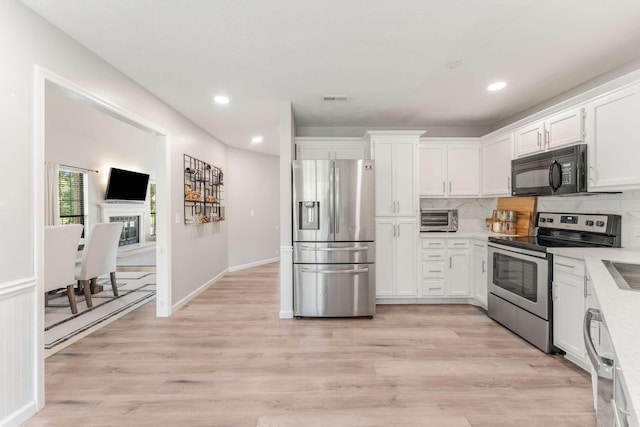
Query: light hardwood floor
[[227, 360]]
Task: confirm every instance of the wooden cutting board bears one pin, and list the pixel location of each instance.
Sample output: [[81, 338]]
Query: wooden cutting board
[[526, 208]]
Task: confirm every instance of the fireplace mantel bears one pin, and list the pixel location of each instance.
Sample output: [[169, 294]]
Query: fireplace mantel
[[141, 210]]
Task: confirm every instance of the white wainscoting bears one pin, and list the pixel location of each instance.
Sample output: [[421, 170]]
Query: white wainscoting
[[17, 351]]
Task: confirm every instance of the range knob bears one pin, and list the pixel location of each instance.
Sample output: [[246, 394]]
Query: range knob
[[549, 219], [599, 223], [543, 219], [588, 223]]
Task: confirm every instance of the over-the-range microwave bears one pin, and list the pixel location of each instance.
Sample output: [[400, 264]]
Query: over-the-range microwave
[[554, 173]]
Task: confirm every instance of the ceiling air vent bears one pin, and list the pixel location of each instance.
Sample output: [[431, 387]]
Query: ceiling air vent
[[335, 98]]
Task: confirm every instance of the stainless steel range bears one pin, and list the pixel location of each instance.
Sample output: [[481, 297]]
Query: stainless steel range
[[521, 271]]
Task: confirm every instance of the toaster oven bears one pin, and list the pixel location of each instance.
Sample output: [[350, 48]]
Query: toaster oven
[[438, 220]]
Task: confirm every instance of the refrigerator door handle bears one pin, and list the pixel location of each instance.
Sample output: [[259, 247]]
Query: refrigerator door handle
[[348, 271], [332, 192], [311, 248], [336, 194], [602, 365]]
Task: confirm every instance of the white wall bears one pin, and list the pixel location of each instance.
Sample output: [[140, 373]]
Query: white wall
[[252, 186], [27, 40], [79, 135]]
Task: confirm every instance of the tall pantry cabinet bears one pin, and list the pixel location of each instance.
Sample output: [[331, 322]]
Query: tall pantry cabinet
[[397, 206]]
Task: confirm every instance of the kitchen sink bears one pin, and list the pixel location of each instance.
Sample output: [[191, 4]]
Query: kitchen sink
[[626, 276]]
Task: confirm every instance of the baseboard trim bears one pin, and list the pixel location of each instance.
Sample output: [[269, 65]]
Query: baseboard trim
[[431, 301], [253, 264], [19, 416], [198, 291], [286, 314]]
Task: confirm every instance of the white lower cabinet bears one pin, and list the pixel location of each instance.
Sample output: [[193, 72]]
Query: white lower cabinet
[[569, 298], [480, 276], [396, 257], [445, 268]]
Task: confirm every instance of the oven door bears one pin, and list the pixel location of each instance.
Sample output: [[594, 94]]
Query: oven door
[[520, 277]]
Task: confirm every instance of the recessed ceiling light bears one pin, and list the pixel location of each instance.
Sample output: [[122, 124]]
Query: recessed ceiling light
[[221, 99], [496, 86], [257, 139]]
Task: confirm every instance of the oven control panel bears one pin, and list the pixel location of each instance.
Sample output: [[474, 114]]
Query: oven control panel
[[577, 222]]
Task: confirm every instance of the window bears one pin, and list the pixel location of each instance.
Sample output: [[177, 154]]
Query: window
[[152, 208], [72, 194]]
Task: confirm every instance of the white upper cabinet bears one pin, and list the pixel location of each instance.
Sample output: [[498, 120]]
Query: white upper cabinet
[[565, 128], [497, 153], [433, 169], [311, 148], [613, 137], [396, 172], [450, 169], [463, 170]]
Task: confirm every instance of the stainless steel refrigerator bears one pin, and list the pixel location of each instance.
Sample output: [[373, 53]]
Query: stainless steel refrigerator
[[334, 238]]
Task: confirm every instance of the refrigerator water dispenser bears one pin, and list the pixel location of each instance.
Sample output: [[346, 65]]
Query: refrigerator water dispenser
[[308, 214]]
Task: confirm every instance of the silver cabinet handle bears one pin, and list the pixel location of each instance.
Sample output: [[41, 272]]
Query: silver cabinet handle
[[434, 244], [354, 249], [546, 138], [435, 271], [398, 230], [433, 289], [349, 271], [398, 206], [459, 243], [603, 366], [565, 265], [509, 183], [434, 256], [394, 230], [449, 187], [449, 262], [483, 264], [539, 139], [478, 245]]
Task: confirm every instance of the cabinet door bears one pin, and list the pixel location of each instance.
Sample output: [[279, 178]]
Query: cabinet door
[[496, 166], [568, 312], [463, 170], [528, 139], [385, 203], [565, 129], [480, 274], [613, 135], [350, 151], [458, 279], [404, 178], [433, 170], [385, 240], [406, 258], [313, 152]]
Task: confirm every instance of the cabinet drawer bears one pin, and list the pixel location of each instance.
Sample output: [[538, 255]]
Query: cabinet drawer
[[433, 243], [479, 244], [457, 244], [432, 256], [568, 265], [433, 288], [433, 270]]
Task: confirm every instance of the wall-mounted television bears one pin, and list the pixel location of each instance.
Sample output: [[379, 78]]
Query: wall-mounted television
[[126, 185]]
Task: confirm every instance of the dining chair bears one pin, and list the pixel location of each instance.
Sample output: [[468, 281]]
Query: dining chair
[[99, 257], [60, 252]]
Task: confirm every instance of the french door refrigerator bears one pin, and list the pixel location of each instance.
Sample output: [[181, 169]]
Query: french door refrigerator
[[334, 238]]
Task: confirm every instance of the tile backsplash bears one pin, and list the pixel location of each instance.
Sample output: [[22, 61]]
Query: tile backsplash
[[472, 212], [625, 204]]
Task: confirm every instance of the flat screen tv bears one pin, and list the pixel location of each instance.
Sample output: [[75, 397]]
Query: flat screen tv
[[126, 185]]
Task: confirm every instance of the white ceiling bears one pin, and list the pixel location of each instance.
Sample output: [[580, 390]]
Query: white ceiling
[[388, 56]]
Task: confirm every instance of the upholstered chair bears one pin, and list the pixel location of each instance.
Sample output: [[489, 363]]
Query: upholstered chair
[[60, 253]]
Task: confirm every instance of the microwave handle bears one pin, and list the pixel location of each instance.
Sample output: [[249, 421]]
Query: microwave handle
[[552, 184]]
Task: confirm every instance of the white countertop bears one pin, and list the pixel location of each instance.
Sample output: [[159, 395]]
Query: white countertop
[[620, 309], [468, 233]]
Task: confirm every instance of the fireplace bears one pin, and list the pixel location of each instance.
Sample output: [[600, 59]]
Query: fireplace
[[133, 216]]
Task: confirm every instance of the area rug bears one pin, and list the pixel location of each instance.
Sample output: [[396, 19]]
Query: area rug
[[135, 289]]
